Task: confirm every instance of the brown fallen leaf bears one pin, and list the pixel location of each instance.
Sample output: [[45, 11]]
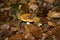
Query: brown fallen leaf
[[14, 28], [51, 23], [15, 37]]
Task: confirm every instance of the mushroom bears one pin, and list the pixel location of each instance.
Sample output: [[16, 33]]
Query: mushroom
[[27, 17]]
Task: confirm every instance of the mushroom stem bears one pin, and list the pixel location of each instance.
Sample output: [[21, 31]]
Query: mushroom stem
[[28, 23]]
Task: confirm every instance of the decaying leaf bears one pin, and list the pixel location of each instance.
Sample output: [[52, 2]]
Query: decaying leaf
[[15, 37], [54, 14]]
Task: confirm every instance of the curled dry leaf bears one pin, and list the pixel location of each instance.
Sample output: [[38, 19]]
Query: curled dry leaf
[[54, 14], [39, 24], [36, 19], [14, 29], [5, 26], [51, 23], [33, 7]]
